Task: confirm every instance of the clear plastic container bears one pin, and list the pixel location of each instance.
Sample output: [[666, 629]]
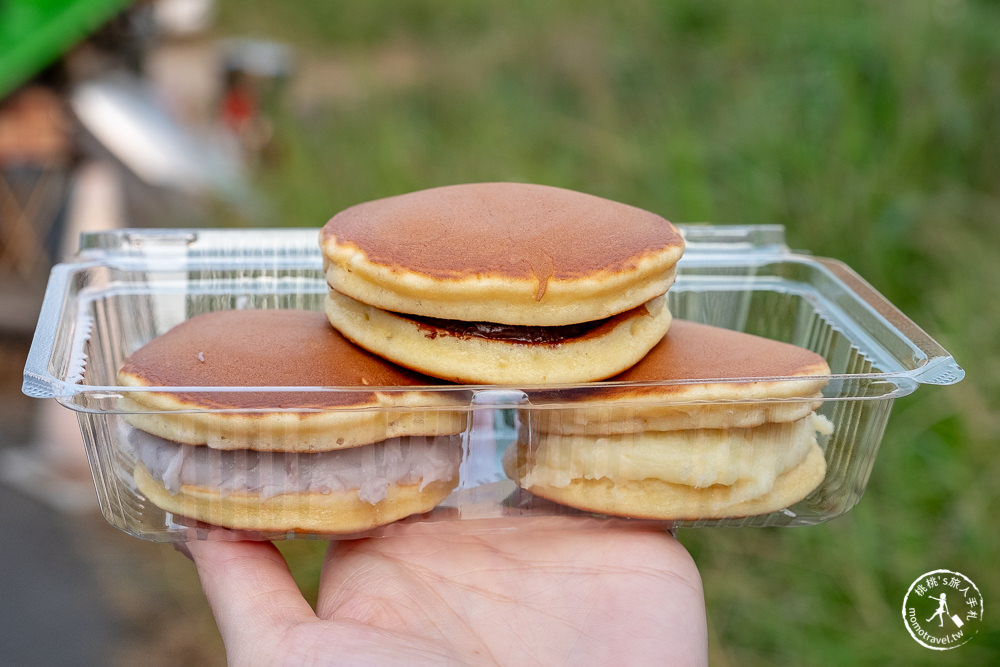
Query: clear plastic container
[[124, 288]]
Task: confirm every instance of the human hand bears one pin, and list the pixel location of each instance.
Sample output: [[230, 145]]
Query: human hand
[[545, 591]]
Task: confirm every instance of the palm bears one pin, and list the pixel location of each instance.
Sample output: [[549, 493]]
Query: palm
[[551, 591]]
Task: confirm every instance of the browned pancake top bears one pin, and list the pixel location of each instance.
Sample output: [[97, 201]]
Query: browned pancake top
[[692, 351], [514, 230], [263, 348]]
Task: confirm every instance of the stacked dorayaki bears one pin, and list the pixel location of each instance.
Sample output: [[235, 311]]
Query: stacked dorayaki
[[522, 285], [340, 461]]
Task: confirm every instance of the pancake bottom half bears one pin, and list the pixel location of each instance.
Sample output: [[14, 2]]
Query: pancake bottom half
[[327, 513], [608, 348], [680, 475]]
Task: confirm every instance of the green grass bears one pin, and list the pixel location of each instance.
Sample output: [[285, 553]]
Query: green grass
[[870, 130]]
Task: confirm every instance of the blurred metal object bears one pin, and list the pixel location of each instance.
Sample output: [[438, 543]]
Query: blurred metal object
[[126, 116]]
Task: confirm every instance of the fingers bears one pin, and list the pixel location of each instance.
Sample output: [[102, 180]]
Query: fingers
[[251, 592]]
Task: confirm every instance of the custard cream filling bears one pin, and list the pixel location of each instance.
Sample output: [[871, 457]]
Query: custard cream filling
[[747, 459]]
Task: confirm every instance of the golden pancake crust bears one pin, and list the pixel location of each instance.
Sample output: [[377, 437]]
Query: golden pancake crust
[[512, 253], [329, 513], [246, 349], [656, 499], [697, 377], [616, 344]]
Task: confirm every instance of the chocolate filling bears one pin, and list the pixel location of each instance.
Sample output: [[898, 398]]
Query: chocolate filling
[[432, 327]]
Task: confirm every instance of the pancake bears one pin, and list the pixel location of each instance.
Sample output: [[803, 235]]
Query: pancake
[[471, 355], [334, 492], [698, 377], [531, 263], [347, 447], [250, 349], [652, 498], [711, 424]]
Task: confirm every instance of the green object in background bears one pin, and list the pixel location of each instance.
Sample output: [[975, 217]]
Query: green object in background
[[34, 33]]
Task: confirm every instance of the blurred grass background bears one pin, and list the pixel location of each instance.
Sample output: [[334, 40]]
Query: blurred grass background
[[871, 131]]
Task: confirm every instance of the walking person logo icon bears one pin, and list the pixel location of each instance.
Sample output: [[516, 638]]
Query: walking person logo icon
[[942, 610], [927, 601]]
